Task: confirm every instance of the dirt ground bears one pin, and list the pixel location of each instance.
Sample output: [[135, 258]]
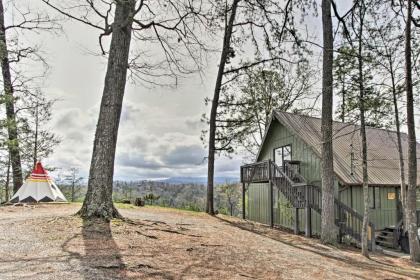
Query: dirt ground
[[48, 242]]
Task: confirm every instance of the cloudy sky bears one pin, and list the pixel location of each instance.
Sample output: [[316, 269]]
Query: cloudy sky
[[160, 127]]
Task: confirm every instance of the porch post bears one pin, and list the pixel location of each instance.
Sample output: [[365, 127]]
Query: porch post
[[243, 201], [243, 193], [296, 220], [372, 238], [271, 194], [308, 218]]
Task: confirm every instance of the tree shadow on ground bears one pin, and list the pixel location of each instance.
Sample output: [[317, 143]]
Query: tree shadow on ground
[[101, 258], [321, 250]]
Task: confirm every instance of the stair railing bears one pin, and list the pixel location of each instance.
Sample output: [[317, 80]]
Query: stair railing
[[295, 194], [292, 173], [349, 221], [303, 195]]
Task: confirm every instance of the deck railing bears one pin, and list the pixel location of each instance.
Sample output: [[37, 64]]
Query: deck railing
[[302, 195], [257, 172]]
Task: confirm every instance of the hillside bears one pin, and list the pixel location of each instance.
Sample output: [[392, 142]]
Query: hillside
[[48, 242]]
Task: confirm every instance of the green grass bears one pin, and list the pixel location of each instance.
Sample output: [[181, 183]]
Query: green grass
[[131, 206], [194, 212], [125, 206]]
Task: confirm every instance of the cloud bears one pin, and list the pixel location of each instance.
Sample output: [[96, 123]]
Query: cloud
[[137, 161], [160, 127], [184, 155]]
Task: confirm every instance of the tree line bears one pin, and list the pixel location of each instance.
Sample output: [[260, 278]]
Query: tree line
[[369, 54]]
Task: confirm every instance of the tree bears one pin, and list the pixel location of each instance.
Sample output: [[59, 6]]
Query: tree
[[74, 180], [412, 144], [377, 104], [328, 231], [13, 142], [16, 21], [226, 52], [232, 192], [267, 26], [386, 42], [37, 140], [246, 104], [360, 59], [169, 26]]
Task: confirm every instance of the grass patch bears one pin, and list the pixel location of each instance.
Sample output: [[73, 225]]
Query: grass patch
[[191, 211], [125, 206]]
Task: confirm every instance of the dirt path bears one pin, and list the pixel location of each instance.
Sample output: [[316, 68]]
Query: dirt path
[[47, 242]]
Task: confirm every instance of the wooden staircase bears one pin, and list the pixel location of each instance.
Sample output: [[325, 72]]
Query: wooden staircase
[[305, 196], [386, 238]]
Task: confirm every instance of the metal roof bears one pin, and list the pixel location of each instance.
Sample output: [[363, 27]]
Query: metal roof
[[383, 159]]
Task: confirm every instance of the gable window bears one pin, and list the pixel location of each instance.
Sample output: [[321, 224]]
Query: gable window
[[282, 154]]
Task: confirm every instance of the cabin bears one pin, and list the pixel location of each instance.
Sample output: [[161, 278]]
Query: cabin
[[283, 187]]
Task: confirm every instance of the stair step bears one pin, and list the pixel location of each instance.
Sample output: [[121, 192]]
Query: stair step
[[385, 243], [386, 234], [385, 237]]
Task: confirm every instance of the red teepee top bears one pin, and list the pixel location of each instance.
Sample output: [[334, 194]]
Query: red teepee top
[[39, 169], [39, 172]]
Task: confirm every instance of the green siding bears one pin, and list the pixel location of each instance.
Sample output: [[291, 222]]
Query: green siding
[[258, 209], [279, 136], [384, 214], [259, 203]]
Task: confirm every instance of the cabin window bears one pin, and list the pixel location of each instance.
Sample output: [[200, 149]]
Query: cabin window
[[282, 153], [374, 198]]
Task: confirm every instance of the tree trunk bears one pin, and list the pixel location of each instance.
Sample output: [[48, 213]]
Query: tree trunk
[[7, 193], [364, 237], [399, 144], [328, 230], [98, 201], [214, 105], [343, 105], [13, 143], [412, 153], [72, 192], [35, 157]]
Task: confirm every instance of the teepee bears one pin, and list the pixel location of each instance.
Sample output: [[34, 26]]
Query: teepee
[[39, 187]]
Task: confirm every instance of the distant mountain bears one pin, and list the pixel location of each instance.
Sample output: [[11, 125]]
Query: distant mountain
[[199, 180]]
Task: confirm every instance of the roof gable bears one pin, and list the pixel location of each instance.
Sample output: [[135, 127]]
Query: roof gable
[[383, 159]]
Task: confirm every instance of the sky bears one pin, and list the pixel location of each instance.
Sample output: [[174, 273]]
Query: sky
[[160, 128]]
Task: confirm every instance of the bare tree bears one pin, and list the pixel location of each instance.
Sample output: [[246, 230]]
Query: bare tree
[[246, 104], [226, 51], [412, 144], [22, 19], [74, 180], [170, 25], [13, 142], [268, 26], [328, 231], [36, 139], [360, 59], [386, 42]]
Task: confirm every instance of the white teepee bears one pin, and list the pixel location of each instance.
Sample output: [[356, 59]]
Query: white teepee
[[39, 187]]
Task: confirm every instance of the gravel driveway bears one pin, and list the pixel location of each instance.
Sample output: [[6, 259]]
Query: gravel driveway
[[48, 242]]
